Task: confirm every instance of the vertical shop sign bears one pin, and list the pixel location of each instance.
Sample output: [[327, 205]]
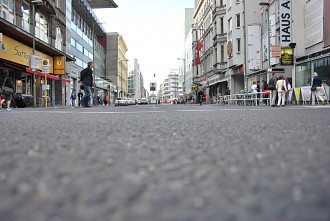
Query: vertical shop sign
[[285, 23]]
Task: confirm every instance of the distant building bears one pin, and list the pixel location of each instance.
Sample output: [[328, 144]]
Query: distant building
[[135, 81], [170, 87]]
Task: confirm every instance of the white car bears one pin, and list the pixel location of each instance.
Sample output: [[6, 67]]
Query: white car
[[121, 101], [132, 101]]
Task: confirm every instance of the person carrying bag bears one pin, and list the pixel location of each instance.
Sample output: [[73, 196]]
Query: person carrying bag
[[7, 88]]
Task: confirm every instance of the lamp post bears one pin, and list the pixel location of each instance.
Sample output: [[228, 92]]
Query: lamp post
[[121, 76], [34, 91]]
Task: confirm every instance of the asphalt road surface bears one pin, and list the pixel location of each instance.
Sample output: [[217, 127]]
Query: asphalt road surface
[[165, 163]]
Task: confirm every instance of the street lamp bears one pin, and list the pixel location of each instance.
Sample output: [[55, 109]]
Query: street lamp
[[121, 76], [34, 91]]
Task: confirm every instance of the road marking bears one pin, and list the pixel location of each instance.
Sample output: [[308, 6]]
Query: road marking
[[89, 112], [195, 110]]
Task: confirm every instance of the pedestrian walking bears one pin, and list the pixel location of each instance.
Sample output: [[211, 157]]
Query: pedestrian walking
[[272, 87], [281, 91], [73, 97], [7, 89], [317, 88], [86, 77], [80, 95], [219, 98], [227, 95]]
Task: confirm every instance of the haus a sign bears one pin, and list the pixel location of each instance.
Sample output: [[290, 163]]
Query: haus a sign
[[285, 22]]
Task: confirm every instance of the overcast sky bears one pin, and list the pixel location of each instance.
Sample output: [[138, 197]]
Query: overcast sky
[[153, 31]]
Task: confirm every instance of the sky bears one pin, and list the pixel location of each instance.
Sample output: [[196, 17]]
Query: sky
[[153, 31]]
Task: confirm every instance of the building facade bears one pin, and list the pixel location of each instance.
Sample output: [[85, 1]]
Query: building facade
[[41, 81], [312, 52], [117, 63], [135, 81], [88, 43], [170, 87]]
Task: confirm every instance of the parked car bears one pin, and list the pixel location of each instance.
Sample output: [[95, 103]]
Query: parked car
[[121, 101], [144, 101], [132, 101]]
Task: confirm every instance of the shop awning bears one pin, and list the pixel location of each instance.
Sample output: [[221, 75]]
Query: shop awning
[[56, 78]]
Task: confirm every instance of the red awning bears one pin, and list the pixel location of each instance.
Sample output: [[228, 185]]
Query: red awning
[[56, 78]]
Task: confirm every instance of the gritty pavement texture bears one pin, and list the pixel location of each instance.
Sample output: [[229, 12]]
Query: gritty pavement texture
[[165, 163]]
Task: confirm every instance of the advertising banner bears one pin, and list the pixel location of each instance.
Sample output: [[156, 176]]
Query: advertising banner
[[285, 22], [287, 56]]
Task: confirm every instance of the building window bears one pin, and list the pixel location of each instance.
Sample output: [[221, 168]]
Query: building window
[[79, 47], [230, 25], [41, 28], [238, 42], [26, 16], [238, 20], [7, 9], [221, 26], [73, 42], [229, 3], [59, 39], [222, 53]]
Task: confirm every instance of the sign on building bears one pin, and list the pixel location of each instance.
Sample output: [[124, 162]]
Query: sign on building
[[287, 56], [285, 23], [34, 62], [45, 66], [153, 86], [254, 47]]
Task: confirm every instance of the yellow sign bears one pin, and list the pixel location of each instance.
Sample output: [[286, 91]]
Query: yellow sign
[[297, 93], [59, 65], [287, 56], [19, 53]]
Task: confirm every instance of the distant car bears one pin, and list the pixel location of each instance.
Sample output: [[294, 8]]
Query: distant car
[[144, 101], [121, 101], [132, 101]]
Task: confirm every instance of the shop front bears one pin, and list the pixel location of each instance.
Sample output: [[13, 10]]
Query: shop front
[[317, 62], [15, 57]]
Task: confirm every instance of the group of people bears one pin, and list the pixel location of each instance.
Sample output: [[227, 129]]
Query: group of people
[[281, 86], [74, 96]]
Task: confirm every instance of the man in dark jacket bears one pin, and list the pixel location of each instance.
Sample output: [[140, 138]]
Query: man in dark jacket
[[317, 84], [272, 86], [7, 95], [86, 77]]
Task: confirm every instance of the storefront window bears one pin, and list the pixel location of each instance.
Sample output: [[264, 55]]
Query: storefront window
[[303, 75], [322, 67], [28, 84]]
